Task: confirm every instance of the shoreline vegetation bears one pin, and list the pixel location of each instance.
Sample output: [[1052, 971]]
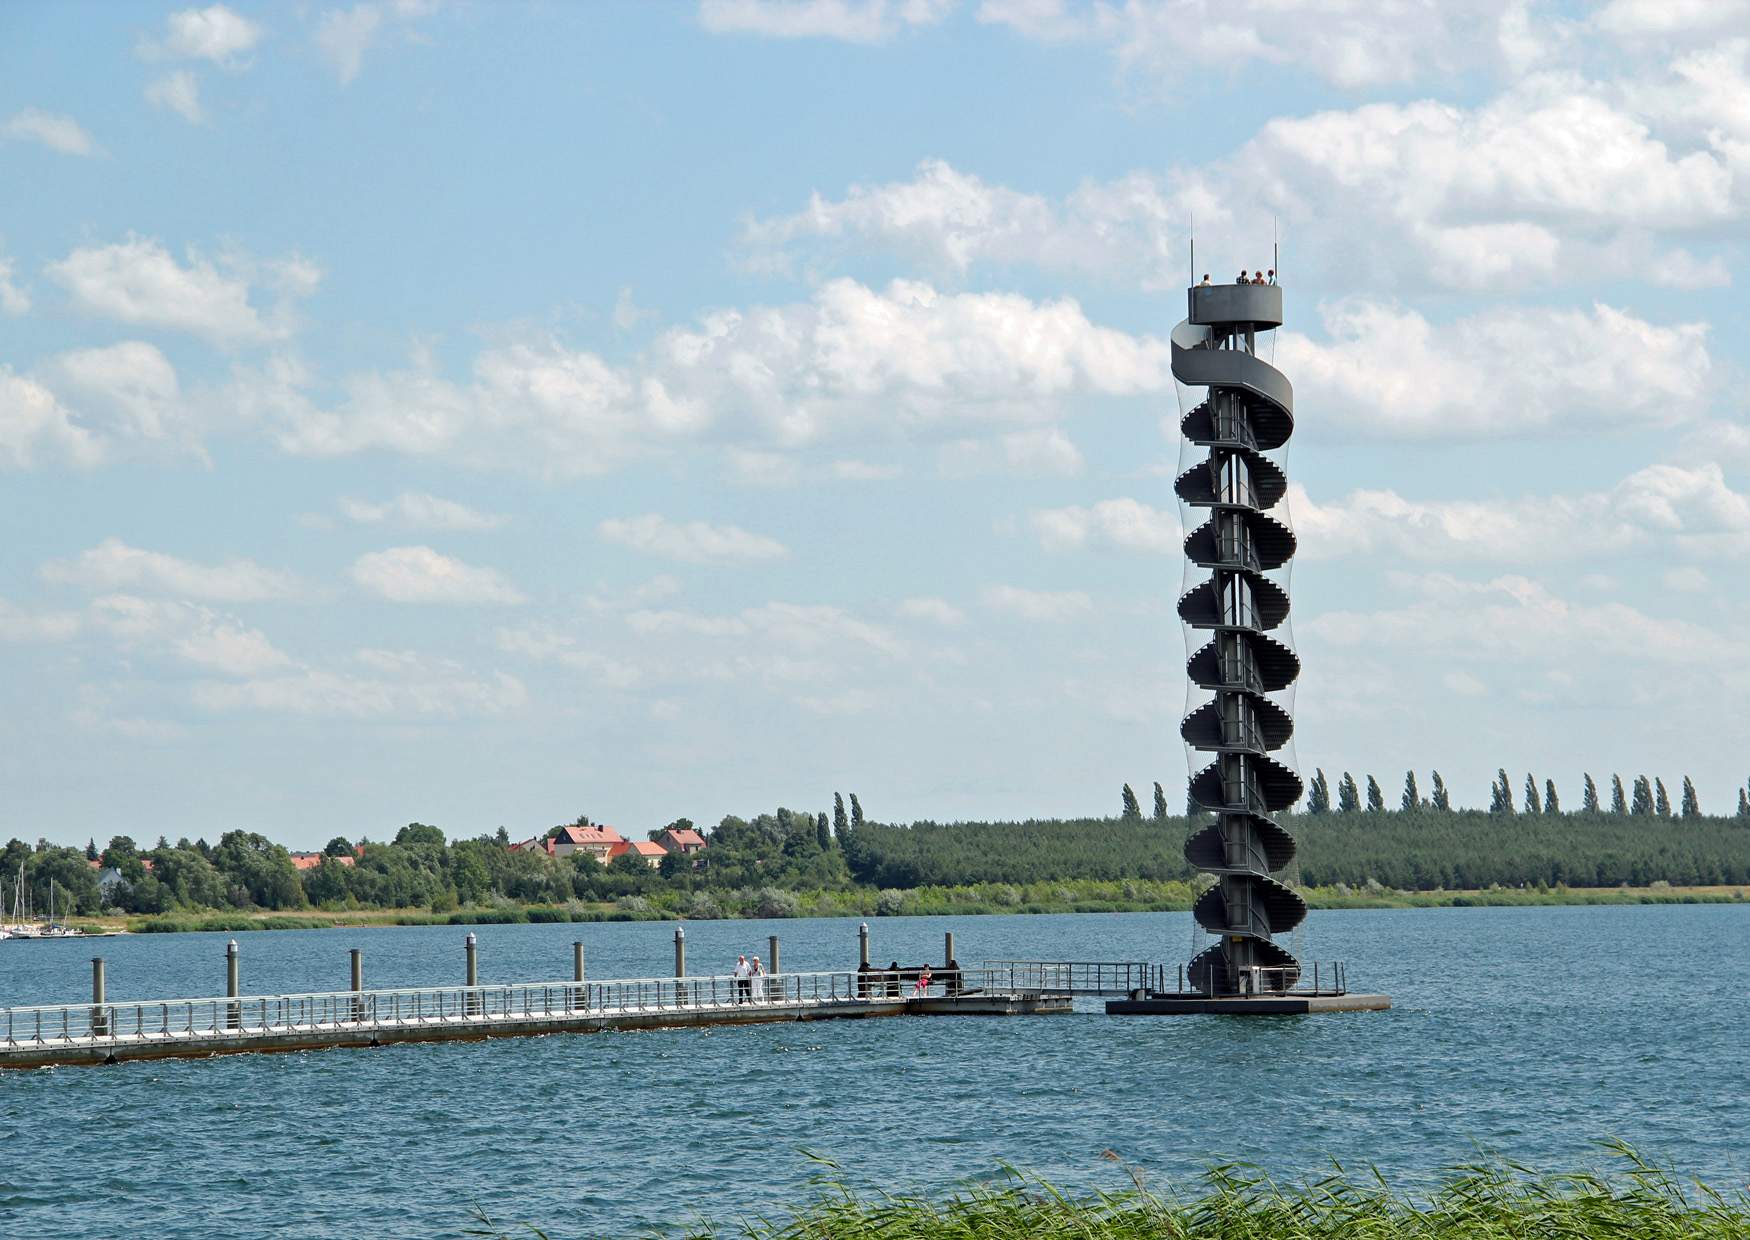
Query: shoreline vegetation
[[1489, 1200], [1071, 896], [791, 863]]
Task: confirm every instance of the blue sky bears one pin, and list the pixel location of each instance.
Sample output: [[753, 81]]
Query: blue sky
[[482, 414]]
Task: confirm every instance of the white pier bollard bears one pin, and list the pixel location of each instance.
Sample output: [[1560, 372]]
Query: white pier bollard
[[863, 945], [233, 1010], [99, 1020], [471, 1001]]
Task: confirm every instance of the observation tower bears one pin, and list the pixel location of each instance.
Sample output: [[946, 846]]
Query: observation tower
[[1242, 668]]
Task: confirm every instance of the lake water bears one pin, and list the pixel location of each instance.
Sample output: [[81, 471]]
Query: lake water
[[1531, 1032]]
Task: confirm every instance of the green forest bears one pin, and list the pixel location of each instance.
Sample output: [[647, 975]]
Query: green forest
[[790, 862]]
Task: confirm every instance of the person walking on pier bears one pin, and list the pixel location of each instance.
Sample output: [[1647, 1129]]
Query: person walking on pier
[[743, 986]]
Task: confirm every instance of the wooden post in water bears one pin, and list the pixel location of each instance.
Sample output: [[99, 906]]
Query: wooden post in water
[[234, 1010], [358, 983], [772, 943], [471, 1001], [99, 1022], [948, 948]]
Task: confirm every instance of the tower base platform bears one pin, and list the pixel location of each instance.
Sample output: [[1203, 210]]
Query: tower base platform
[[1289, 1004]]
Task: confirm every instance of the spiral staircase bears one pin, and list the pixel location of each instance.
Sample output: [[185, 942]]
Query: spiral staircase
[[1231, 616]]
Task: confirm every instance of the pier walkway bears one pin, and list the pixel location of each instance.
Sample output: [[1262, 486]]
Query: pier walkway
[[94, 1033]]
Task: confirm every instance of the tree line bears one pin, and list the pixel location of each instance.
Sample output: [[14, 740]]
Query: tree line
[[768, 862], [1649, 798]]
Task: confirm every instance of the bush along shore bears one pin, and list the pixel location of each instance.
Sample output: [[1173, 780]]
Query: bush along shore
[[1487, 1201], [1069, 896]]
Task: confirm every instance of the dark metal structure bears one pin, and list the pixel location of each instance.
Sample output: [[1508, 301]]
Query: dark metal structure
[[1232, 616]]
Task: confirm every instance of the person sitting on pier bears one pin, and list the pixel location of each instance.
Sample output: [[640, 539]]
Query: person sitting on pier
[[1242, 279], [1272, 279], [1205, 283], [923, 982], [1258, 278]]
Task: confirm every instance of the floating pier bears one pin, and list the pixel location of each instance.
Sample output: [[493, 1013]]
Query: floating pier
[[102, 1032]]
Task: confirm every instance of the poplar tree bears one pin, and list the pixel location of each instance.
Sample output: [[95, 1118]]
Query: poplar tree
[[1132, 810], [856, 813], [1348, 795], [1743, 804], [1618, 802], [1318, 797], [1642, 805], [1375, 797], [823, 832], [1661, 799], [839, 821], [1532, 805], [1691, 805], [1160, 803], [1442, 798], [91, 849], [1550, 804], [1501, 794], [1589, 798], [1412, 800]]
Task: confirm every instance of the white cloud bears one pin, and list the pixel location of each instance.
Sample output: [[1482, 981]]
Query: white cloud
[[935, 610], [1464, 684], [1045, 452], [1351, 45], [36, 427], [421, 575], [852, 21], [114, 565], [1687, 580], [1039, 605], [696, 542], [416, 510], [757, 468], [642, 594], [391, 686], [138, 281], [127, 390], [627, 313], [215, 33], [1128, 230], [1636, 19], [13, 300], [1508, 371], [1124, 523], [546, 644], [863, 471], [197, 635], [1512, 617], [53, 130], [851, 363], [1663, 509], [178, 92], [343, 36], [18, 625]]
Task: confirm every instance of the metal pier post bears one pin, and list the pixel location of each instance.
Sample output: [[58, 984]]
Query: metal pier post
[[99, 1024], [233, 1010]]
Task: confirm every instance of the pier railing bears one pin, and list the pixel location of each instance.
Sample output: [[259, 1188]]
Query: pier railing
[[1108, 977], [184, 1020]]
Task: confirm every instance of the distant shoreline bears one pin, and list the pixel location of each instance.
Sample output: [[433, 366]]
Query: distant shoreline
[[1317, 898]]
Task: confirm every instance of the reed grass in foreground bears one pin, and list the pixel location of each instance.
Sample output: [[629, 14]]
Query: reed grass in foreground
[[1486, 1201]]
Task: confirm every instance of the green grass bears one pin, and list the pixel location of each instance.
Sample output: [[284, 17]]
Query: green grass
[[1490, 1200]]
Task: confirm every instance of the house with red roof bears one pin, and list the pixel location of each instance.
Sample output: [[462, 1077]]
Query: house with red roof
[[646, 850], [683, 840]]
